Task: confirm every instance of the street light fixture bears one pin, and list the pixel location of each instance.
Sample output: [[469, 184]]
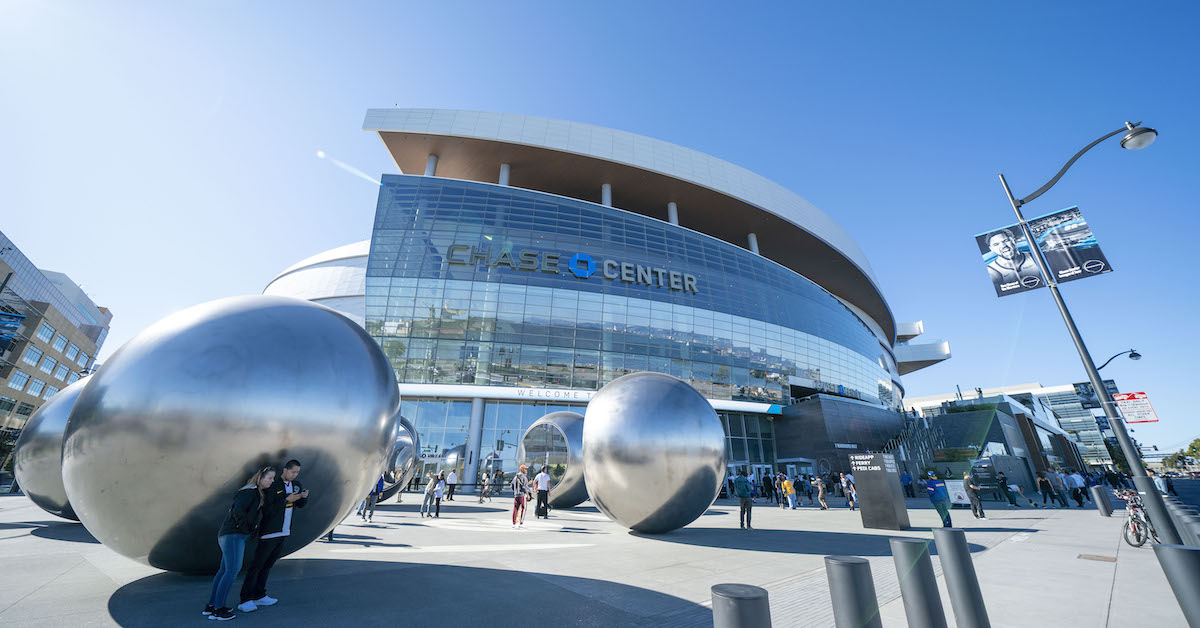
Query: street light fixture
[[1136, 137], [1133, 355]]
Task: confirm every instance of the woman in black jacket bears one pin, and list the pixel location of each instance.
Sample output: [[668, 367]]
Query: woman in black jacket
[[240, 523]]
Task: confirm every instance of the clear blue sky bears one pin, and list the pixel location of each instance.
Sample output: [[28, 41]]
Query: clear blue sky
[[163, 154]]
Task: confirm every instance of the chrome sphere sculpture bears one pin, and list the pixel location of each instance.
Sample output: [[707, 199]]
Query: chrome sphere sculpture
[[179, 417], [402, 464], [37, 460], [556, 440], [653, 452]]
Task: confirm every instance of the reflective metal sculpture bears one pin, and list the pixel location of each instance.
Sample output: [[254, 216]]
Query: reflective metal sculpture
[[37, 460], [653, 452], [177, 420], [556, 441], [402, 464]]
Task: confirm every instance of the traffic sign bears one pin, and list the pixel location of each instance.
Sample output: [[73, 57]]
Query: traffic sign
[[1135, 407]]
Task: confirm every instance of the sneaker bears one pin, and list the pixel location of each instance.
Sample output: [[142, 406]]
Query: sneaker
[[265, 600], [222, 614], [983, 518], [208, 610], [247, 607], [748, 527]]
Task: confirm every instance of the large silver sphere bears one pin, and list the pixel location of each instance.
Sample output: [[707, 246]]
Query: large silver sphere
[[37, 460], [653, 452], [402, 464], [556, 441], [181, 416]]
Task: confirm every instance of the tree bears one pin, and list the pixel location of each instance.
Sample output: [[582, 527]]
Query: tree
[[1118, 458], [1175, 460]]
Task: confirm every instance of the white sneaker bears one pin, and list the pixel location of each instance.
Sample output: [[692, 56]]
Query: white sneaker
[[265, 600], [247, 607], [983, 518]]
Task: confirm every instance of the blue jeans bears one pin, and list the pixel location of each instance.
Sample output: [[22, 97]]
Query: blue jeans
[[233, 547]]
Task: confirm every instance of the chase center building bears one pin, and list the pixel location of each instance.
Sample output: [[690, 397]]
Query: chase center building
[[522, 263]]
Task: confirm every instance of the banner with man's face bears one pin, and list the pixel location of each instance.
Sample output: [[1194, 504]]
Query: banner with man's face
[[1065, 240], [1009, 261]]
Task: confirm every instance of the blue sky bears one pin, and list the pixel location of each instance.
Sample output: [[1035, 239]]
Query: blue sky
[[164, 154]]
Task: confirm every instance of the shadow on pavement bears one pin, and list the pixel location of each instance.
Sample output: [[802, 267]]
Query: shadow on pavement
[[446, 508], [785, 541], [976, 529], [74, 532], [369, 593]]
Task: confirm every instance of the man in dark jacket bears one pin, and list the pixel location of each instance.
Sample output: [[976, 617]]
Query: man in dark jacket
[[284, 497]]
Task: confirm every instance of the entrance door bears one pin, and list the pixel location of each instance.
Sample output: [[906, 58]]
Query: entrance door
[[761, 471], [791, 470]]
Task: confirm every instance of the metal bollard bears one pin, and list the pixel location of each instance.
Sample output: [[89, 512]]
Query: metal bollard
[[852, 592], [740, 606], [1182, 566], [1101, 501], [918, 586], [959, 572]]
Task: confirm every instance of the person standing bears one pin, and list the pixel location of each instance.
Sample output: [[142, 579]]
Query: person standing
[[848, 491], [427, 501], [542, 481], [451, 482], [971, 488], [906, 481], [742, 488], [240, 522], [439, 489], [819, 484], [789, 489], [940, 497], [1046, 489], [373, 498], [806, 484], [520, 487], [283, 498], [1002, 484]]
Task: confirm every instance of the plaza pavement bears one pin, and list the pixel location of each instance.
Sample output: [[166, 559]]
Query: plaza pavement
[[1037, 567]]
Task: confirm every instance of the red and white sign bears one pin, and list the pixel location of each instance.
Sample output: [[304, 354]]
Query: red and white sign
[[1135, 407]]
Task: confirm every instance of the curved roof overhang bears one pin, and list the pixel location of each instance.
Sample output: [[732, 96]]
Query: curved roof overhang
[[640, 190]]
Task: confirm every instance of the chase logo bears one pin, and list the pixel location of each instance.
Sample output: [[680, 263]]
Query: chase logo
[[582, 265]]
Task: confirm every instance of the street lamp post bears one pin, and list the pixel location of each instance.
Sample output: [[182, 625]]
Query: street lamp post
[[1136, 137]]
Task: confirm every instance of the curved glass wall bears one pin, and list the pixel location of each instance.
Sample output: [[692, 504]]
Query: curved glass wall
[[473, 283]]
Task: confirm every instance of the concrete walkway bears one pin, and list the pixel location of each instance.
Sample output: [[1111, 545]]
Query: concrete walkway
[[1037, 568]]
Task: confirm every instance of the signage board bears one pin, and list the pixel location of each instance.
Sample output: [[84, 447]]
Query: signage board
[[880, 496], [958, 493], [1065, 240], [1087, 394], [1135, 407]]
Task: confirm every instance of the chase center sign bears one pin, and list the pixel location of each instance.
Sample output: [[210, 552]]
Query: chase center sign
[[581, 265]]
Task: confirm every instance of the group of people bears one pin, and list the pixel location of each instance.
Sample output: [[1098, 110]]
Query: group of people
[[262, 509], [789, 492]]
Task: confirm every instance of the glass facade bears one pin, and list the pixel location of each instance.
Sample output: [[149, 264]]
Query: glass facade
[[472, 283], [443, 426]]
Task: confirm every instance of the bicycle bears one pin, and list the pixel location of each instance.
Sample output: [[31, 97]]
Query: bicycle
[[1138, 528]]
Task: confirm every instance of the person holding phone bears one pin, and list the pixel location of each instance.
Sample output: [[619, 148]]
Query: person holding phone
[[240, 522], [283, 498]]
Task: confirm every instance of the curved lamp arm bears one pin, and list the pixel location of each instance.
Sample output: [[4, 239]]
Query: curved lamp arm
[[1115, 356], [1051, 182]]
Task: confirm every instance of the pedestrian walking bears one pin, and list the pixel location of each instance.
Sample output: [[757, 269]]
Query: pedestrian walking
[[847, 490], [486, 481], [520, 487], [451, 482], [819, 484], [971, 488], [542, 482], [372, 498], [1002, 484], [806, 484], [280, 502], [906, 481], [742, 488], [939, 496], [427, 500], [240, 522], [1079, 493]]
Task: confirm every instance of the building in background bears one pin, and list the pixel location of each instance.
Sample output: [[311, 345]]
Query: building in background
[[522, 263], [50, 332], [1070, 411]]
